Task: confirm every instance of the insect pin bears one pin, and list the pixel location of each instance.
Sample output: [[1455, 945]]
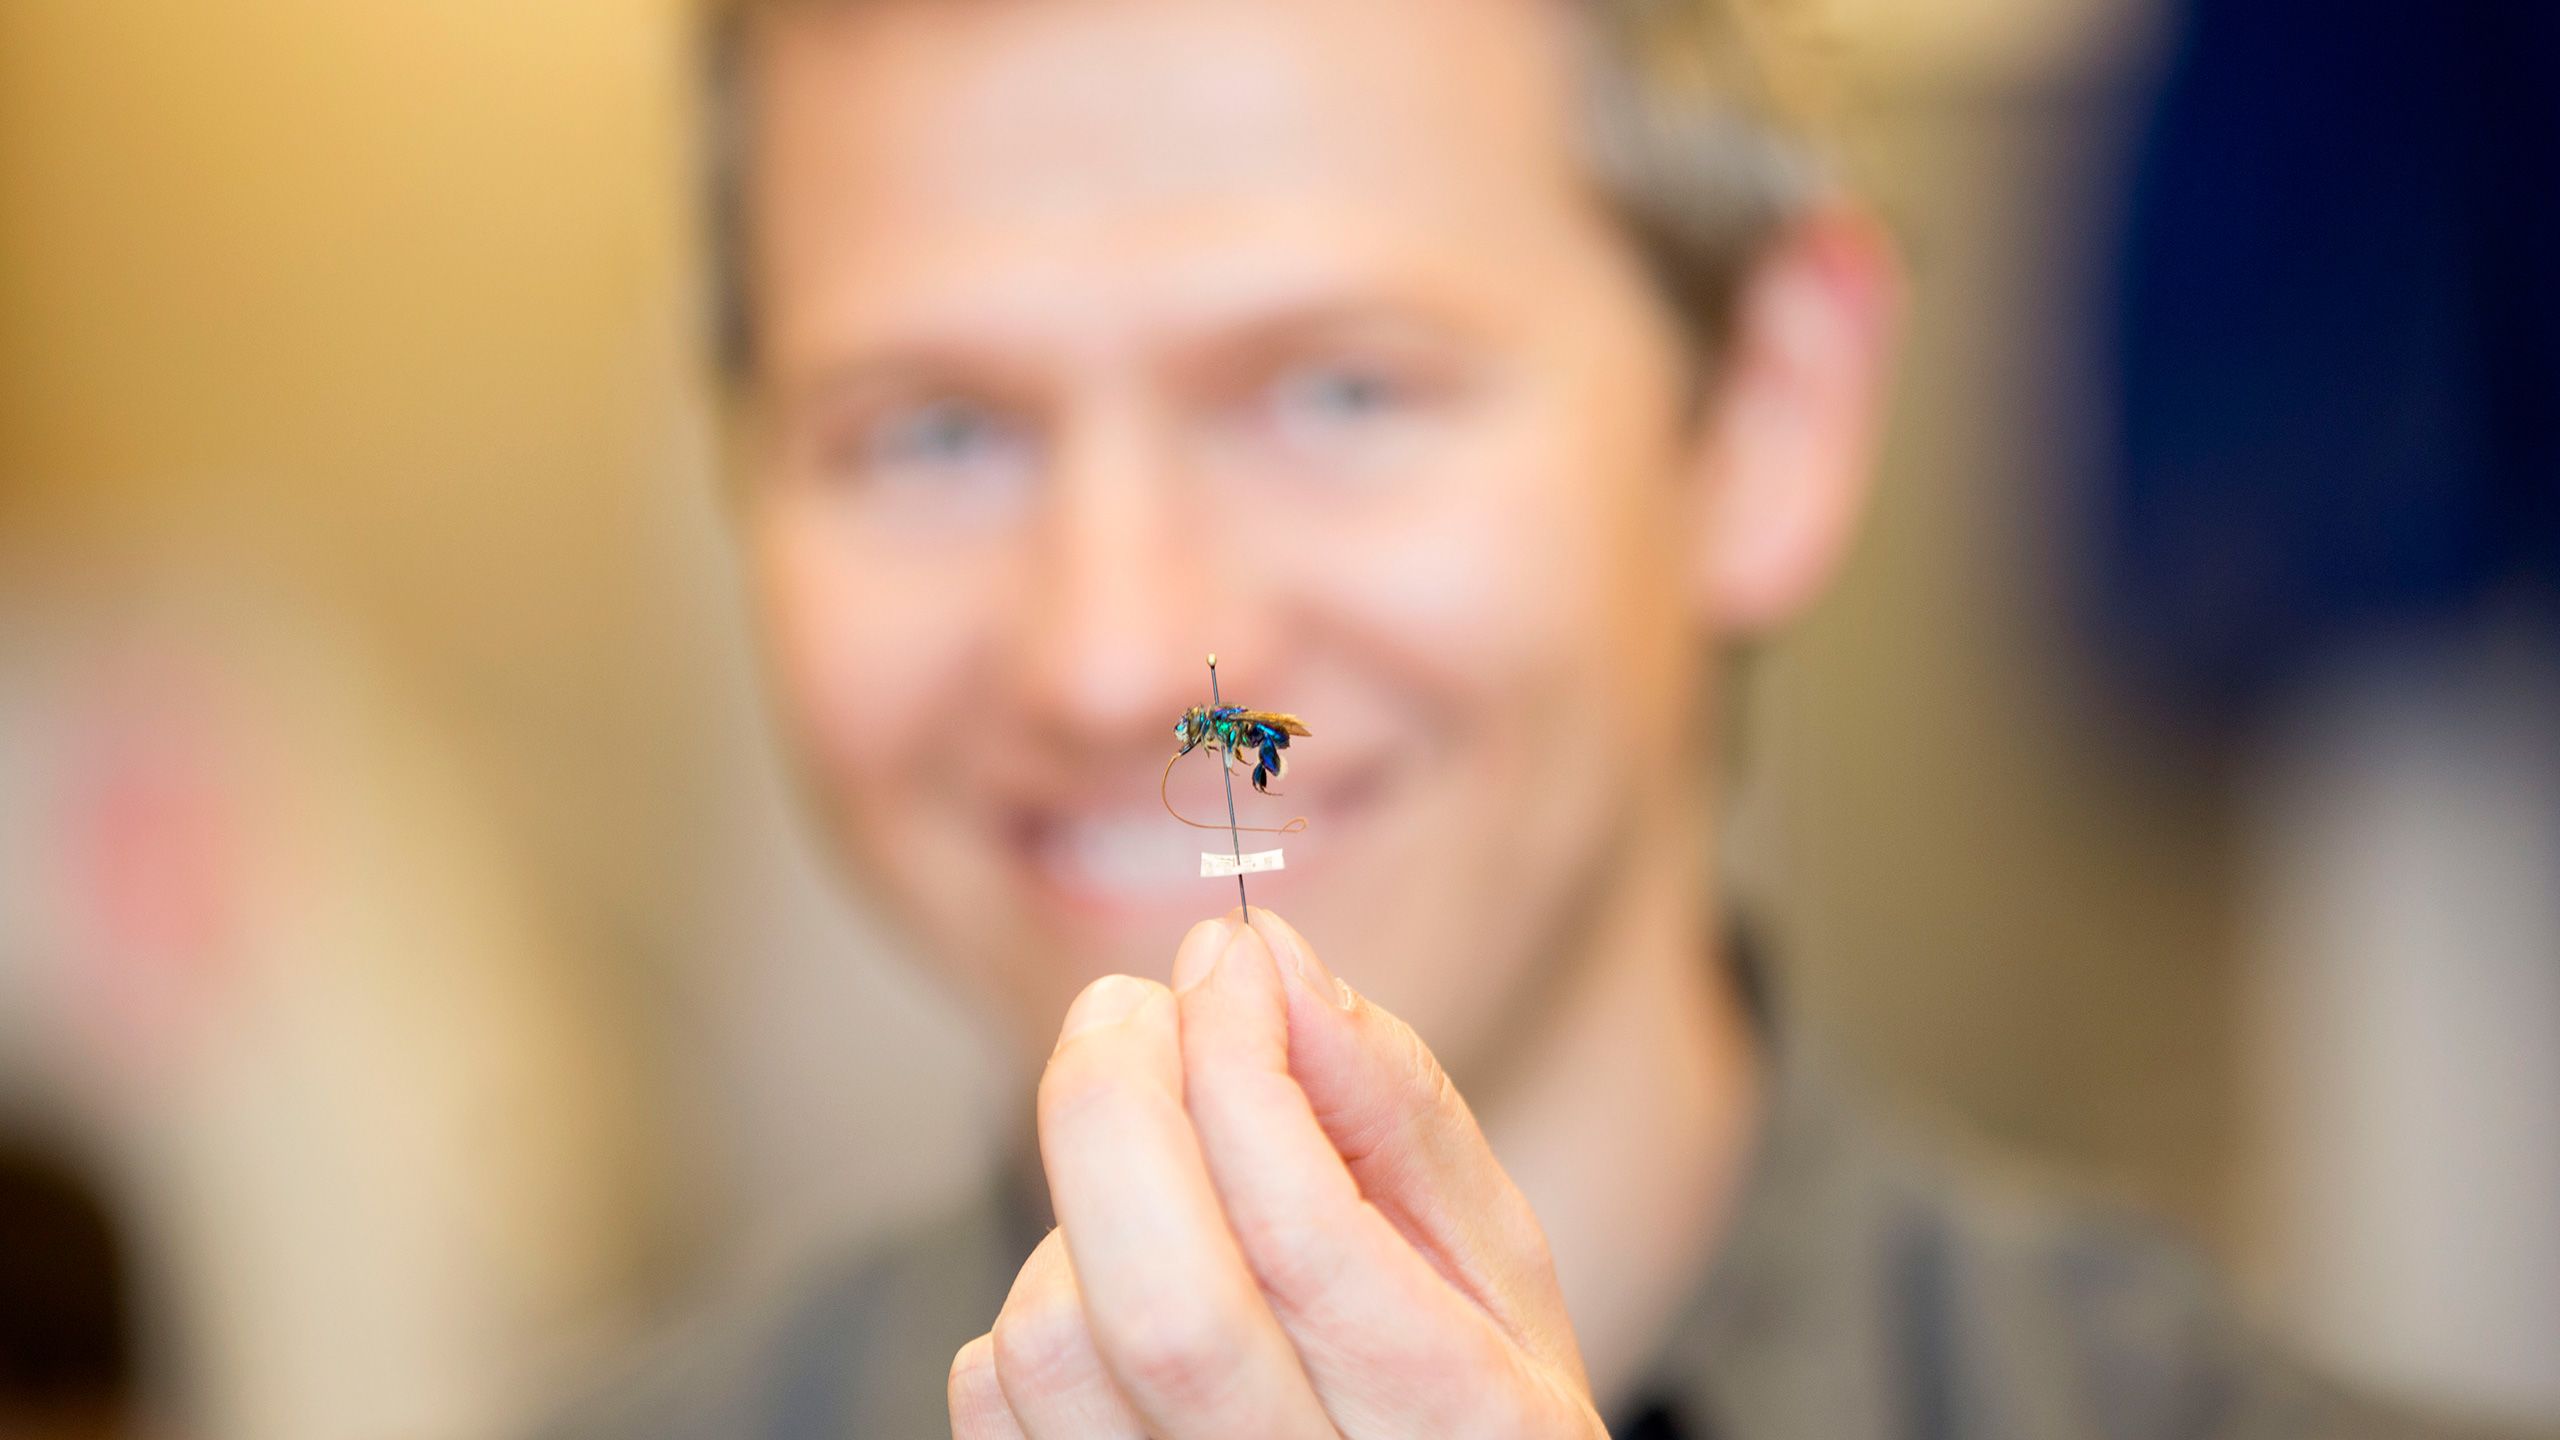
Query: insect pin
[[1257, 737]]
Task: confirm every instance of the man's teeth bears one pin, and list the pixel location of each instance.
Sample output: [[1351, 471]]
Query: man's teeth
[[1136, 854]]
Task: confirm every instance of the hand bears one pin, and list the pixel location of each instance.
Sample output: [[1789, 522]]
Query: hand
[[1275, 1218]]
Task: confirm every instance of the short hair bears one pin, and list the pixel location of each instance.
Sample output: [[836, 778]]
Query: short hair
[[1696, 135]]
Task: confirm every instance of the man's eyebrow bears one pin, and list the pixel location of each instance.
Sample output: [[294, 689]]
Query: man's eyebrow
[[1219, 355], [1415, 298], [893, 368]]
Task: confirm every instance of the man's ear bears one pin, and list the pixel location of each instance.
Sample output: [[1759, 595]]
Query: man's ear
[[1786, 443]]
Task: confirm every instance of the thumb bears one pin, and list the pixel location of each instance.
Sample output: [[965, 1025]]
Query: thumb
[[1415, 1149]]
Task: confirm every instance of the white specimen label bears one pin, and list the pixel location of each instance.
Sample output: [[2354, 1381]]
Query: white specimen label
[[1245, 864]]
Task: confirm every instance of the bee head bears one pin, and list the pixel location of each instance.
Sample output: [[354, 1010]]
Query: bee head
[[1192, 728]]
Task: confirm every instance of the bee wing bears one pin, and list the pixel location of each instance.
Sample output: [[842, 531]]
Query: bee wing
[[1284, 723]]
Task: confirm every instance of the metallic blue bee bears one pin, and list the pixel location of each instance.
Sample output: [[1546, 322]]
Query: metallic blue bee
[[1239, 733]]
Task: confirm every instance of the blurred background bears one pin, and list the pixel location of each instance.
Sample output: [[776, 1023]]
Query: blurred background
[[413, 977]]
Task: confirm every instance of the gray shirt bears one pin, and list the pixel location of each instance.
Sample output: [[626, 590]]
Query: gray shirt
[[1872, 1286]]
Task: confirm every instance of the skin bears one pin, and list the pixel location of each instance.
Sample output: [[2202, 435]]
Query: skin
[[1094, 335]]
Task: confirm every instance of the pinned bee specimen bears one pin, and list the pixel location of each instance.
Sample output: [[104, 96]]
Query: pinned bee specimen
[[1259, 738], [1240, 734]]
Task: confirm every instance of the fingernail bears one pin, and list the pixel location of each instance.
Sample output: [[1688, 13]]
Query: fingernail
[[1198, 954], [1246, 944], [1292, 947], [1106, 1001]]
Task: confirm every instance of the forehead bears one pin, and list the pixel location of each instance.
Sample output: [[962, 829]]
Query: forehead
[[912, 155]]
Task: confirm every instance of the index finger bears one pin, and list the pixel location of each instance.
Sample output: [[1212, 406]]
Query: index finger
[[1389, 1341], [1172, 1308], [1410, 1141]]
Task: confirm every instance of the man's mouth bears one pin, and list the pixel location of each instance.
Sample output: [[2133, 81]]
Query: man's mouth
[[1127, 857], [1136, 856]]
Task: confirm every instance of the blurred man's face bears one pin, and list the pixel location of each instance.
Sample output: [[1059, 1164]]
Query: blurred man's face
[[1097, 335]]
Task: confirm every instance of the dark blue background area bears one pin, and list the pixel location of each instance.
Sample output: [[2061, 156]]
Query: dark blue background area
[[2336, 337]]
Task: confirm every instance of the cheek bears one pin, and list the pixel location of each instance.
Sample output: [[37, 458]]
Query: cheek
[[1537, 567], [869, 651]]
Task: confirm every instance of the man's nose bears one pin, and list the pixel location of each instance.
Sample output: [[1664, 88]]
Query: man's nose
[[1121, 604]]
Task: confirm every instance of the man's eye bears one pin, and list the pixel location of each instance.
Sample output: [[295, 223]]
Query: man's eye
[[1336, 395], [930, 451], [943, 434]]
